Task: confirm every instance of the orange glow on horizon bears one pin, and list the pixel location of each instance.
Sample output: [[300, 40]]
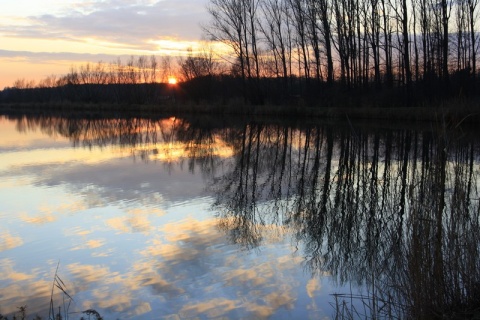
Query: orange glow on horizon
[[172, 80]]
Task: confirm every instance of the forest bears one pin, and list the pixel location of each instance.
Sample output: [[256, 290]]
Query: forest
[[309, 52]]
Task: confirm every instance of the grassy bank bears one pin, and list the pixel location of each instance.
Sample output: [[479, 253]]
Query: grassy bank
[[452, 111]]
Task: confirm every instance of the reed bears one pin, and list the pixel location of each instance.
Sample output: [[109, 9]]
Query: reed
[[63, 311]]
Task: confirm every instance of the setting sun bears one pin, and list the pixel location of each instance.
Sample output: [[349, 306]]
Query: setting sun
[[172, 80]]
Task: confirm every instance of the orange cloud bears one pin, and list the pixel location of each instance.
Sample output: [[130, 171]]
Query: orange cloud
[[9, 273], [214, 308], [87, 274], [130, 224], [9, 241], [312, 286], [90, 244], [244, 276]]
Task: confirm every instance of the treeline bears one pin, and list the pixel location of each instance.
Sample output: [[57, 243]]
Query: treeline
[[139, 80], [141, 69], [310, 52], [357, 45]]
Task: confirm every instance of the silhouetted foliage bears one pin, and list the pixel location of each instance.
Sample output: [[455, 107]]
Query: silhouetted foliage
[[413, 45]]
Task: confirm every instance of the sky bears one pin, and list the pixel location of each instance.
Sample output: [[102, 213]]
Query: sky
[[48, 37]]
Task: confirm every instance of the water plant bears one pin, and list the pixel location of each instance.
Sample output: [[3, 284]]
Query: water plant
[[63, 312]]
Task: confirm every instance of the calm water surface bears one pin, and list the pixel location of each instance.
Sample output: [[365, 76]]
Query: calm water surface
[[176, 218]]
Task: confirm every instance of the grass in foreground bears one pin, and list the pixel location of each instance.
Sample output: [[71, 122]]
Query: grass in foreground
[[53, 313]]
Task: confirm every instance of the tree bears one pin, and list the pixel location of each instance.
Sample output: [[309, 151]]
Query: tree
[[227, 26], [201, 64], [472, 18]]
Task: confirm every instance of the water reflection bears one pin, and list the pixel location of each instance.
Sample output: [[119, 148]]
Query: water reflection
[[395, 212]]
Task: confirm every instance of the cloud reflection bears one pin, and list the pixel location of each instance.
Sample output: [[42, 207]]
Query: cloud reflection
[[186, 270], [177, 264], [213, 309], [145, 247], [9, 241], [130, 224], [9, 272], [20, 288], [91, 244], [312, 286]]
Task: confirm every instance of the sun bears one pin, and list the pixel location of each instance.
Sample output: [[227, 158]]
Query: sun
[[172, 80]]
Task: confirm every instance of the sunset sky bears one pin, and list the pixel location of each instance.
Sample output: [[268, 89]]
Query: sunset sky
[[41, 38]]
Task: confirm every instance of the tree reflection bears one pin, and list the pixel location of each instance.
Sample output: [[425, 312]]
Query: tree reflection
[[167, 140], [395, 211]]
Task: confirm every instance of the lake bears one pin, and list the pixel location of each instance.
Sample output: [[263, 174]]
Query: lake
[[186, 217]]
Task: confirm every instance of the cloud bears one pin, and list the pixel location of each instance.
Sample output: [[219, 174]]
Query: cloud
[[57, 35], [89, 274], [194, 231], [116, 292], [90, 244], [186, 270], [135, 221], [43, 217], [148, 274], [9, 273], [9, 241], [107, 181], [259, 311], [131, 224], [55, 57], [19, 288], [281, 299], [312, 286], [112, 300], [142, 308], [47, 213], [214, 308], [78, 231], [245, 276], [117, 23]]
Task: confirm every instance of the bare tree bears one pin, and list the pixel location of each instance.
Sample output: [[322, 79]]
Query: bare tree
[[326, 21], [228, 27], [201, 64], [472, 18], [153, 68]]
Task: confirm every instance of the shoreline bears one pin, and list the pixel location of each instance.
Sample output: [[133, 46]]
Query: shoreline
[[454, 112]]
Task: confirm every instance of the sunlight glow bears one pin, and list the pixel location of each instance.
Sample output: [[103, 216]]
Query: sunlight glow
[[172, 80]]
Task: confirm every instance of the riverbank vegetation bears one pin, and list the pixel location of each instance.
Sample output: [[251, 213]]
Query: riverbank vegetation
[[451, 112], [59, 308]]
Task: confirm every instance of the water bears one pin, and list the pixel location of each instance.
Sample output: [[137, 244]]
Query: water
[[173, 218]]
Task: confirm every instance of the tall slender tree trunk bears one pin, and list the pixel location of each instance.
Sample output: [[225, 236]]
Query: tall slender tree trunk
[[445, 18], [406, 46], [327, 39], [472, 4]]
